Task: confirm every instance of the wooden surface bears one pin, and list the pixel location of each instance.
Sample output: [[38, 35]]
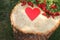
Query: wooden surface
[[6, 32]]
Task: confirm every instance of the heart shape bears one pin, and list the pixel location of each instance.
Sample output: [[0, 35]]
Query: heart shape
[[32, 13]]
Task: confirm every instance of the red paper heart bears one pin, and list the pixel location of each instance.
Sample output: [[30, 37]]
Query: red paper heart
[[32, 13]]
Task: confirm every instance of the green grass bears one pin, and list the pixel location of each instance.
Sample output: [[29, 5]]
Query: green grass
[[5, 26], [6, 32]]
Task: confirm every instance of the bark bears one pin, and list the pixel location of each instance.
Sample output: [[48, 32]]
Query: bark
[[22, 36]]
